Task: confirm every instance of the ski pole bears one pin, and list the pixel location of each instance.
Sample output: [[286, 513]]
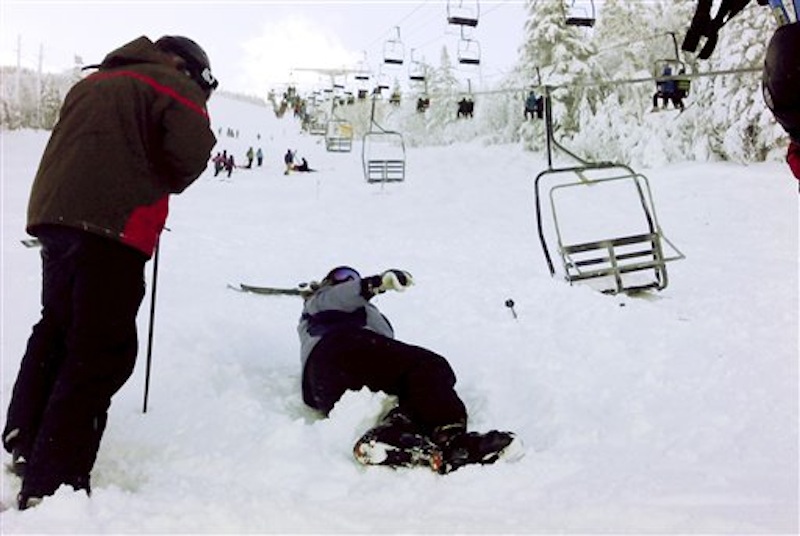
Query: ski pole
[[150, 328], [510, 305]]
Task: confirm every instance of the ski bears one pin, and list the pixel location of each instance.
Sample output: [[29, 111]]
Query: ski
[[303, 289]]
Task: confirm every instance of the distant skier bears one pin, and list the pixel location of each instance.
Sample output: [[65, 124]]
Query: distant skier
[[250, 156], [219, 163], [346, 343], [230, 163], [288, 160], [303, 166], [259, 157]]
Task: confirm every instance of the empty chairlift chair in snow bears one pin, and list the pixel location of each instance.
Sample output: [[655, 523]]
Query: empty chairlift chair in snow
[[339, 136], [604, 222], [463, 13], [383, 155]]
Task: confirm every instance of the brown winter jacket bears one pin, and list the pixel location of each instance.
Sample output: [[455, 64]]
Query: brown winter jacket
[[127, 136]]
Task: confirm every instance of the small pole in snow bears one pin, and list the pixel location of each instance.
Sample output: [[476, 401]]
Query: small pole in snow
[[510, 305]]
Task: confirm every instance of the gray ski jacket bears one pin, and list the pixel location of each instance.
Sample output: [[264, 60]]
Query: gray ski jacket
[[332, 308]]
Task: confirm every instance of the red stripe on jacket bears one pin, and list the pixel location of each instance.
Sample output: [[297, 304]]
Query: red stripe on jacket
[[793, 158], [155, 85]]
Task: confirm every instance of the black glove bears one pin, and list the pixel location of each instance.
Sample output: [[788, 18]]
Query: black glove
[[398, 280]]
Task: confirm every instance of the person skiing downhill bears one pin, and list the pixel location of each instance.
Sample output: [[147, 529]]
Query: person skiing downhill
[[128, 136], [347, 343]]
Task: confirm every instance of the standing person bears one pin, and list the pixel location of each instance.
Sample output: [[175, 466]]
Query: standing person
[[346, 343], [288, 159], [230, 164], [781, 85], [218, 163], [250, 156], [128, 136], [259, 156]]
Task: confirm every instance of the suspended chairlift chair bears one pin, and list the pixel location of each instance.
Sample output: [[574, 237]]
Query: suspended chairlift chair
[[393, 50], [416, 69], [339, 136], [581, 13], [671, 74], [469, 50], [603, 221], [463, 13], [383, 153]]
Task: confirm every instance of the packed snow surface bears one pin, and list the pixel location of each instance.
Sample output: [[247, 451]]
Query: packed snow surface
[[676, 412]]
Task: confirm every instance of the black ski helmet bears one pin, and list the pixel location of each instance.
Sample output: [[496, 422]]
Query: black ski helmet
[[197, 63], [781, 78]]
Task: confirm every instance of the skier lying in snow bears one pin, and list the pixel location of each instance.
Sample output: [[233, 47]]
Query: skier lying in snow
[[347, 344]]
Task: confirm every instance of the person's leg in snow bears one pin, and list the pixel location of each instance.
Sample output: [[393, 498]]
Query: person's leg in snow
[[429, 425]]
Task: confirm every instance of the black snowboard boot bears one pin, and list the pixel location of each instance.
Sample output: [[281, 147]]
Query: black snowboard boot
[[460, 448], [397, 442]]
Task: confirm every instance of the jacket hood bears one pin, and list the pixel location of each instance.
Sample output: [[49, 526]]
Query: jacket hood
[[140, 50]]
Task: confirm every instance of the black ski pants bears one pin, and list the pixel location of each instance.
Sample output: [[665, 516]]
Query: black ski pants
[[79, 354], [351, 359]]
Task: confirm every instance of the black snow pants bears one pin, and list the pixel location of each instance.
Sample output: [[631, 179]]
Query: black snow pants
[[351, 359], [79, 354]]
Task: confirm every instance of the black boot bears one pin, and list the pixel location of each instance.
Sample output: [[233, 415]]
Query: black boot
[[460, 448], [397, 442]]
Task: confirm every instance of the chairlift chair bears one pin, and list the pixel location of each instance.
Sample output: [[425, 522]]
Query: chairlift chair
[[581, 14], [393, 50], [383, 156], [614, 243], [339, 136], [416, 70], [675, 68], [469, 51], [463, 13]]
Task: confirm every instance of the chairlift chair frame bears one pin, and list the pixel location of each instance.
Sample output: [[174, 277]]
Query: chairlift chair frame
[[679, 74], [339, 136], [383, 168], [469, 51], [612, 261], [416, 69], [462, 15], [393, 50], [586, 20]]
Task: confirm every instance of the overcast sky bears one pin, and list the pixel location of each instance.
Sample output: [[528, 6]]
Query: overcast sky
[[255, 45]]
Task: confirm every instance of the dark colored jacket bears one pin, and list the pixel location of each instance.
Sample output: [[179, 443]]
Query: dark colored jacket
[[127, 136]]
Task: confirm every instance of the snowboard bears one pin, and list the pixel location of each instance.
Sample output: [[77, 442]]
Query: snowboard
[[415, 450], [409, 450]]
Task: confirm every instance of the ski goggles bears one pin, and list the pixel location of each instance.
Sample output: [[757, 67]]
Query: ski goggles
[[342, 274]]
